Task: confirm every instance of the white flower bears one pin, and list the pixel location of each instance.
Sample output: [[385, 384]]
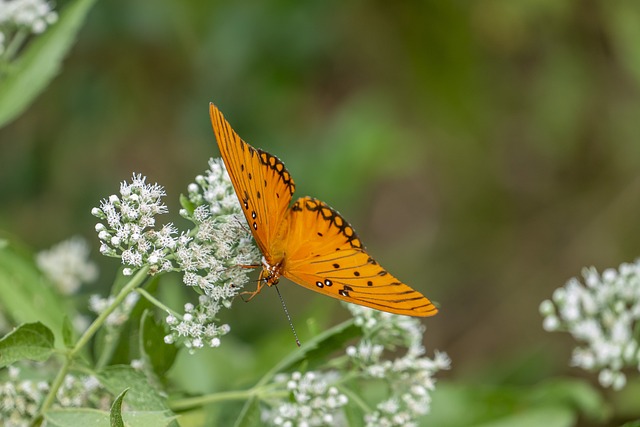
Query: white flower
[[410, 376], [21, 398], [312, 400], [97, 304], [67, 265], [602, 313], [33, 15]]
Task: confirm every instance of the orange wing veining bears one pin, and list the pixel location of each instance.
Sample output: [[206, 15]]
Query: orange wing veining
[[323, 253], [262, 183]]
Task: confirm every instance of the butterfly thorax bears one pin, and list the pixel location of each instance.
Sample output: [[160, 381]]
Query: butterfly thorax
[[270, 274]]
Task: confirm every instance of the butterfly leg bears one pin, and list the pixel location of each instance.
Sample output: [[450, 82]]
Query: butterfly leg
[[262, 280], [248, 265], [248, 295]]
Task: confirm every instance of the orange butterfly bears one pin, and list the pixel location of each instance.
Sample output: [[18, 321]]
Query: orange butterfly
[[307, 242]]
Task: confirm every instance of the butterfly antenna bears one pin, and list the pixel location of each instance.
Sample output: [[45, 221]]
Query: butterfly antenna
[[288, 317]]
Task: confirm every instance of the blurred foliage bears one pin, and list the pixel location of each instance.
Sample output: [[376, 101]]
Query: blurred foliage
[[485, 151]]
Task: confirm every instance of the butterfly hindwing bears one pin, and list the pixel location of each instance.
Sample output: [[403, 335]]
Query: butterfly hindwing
[[263, 185], [325, 254]]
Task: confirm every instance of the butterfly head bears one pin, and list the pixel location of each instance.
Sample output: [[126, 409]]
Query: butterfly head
[[270, 274]]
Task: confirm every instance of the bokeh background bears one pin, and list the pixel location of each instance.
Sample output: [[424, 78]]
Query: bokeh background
[[484, 151]]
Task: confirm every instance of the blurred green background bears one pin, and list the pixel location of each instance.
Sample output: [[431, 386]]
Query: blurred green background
[[485, 151]]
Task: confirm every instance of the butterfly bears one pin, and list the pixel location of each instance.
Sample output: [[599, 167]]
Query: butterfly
[[307, 242]]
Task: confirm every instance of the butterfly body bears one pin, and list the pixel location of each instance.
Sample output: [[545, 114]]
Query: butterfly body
[[307, 242]]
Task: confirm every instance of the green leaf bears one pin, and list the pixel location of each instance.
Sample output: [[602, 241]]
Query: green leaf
[[154, 350], [28, 75], [32, 341], [576, 394], [549, 417], [75, 417], [120, 345], [315, 351], [353, 412], [632, 424], [115, 415], [141, 396], [555, 403], [250, 415], [67, 332], [25, 295], [186, 204]]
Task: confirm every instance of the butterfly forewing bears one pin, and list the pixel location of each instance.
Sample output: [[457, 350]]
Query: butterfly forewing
[[262, 184], [323, 253]]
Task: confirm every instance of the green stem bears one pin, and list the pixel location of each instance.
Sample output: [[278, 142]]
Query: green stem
[[192, 402], [153, 300], [57, 382], [14, 45], [262, 387], [84, 339], [354, 398], [299, 354]]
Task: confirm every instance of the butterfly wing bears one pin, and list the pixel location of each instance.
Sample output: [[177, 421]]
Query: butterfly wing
[[262, 184], [324, 254]]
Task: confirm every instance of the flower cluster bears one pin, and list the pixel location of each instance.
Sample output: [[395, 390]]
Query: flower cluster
[[117, 317], [211, 256], [213, 259], [312, 401], [83, 391], [67, 265], [316, 397], [409, 377], [17, 16], [197, 328], [602, 313], [130, 234], [21, 398]]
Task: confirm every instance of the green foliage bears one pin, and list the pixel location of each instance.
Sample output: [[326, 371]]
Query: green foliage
[[92, 417], [67, 332], [159, 356], [556, 403], [32, 341], [26, 296], [115, 414], [250, 414], [38, 65], [141, 395], [77, 417]]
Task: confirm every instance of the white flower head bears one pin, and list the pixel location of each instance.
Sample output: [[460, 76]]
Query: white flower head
[[602, 314], [129, 232], [410, 376], [33, 15], [67, 265], [20, 398], [312, 400]]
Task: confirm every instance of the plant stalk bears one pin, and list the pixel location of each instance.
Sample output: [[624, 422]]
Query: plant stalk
[[135, 281]]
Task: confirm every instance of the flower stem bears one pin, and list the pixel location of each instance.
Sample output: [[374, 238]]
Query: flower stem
[[192, 402], [84, 339], [14, 45], [153, 300]]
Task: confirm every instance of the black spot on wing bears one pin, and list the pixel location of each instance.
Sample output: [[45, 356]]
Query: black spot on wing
[[329, 214]]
